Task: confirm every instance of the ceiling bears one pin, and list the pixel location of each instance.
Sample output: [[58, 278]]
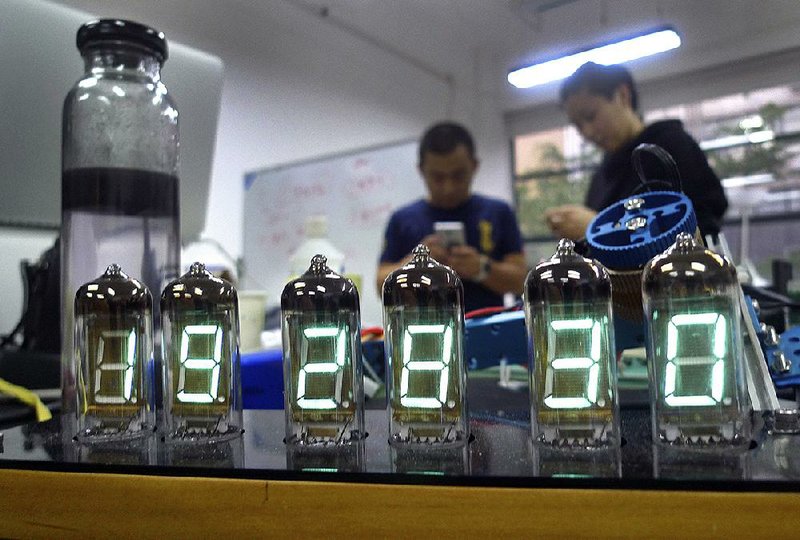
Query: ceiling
[[455, 36], [475, 42]]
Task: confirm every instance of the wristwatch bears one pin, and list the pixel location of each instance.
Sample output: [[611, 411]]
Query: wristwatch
[[484, 269]]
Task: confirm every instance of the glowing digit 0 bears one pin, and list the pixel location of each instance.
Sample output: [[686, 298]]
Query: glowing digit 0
[[332, 368], [590, 362], [410, 366], [201, 363], [125, 364], [717, 348]]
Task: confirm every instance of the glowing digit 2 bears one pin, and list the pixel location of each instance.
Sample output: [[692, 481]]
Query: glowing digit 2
[[125, 365], [718, 348], [590, 362], [442, 366], [334, 368], [212, 364]]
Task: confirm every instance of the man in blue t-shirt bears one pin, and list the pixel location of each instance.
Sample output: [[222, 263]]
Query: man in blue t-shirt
[[491, 263]]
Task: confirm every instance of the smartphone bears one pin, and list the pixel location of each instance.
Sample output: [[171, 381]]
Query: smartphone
[[451, 233]]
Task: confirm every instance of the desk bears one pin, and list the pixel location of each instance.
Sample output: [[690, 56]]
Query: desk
[[252, 487]]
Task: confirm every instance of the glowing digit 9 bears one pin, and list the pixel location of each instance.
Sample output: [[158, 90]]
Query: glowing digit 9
[[590, 362], [124, 364], [202, 363], [717, 348], [332, 368], [410, 366]]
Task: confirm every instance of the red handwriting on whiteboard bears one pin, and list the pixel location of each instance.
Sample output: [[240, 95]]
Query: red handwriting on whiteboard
[[313, 189], [370, 215], [368, 183], [274, 239]]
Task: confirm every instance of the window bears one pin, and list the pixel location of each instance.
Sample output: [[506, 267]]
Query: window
[[752, 141]]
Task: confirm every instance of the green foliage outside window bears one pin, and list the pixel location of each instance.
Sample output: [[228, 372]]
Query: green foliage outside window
[[559, 183]]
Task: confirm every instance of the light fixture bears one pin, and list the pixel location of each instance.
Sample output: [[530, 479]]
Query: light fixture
[[624, 50], [748, 180], [754, 137]]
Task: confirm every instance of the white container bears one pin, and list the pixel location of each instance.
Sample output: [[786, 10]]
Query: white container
[[252, 308], [316, 243]]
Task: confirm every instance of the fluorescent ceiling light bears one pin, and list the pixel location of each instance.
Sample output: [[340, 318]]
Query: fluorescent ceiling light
[[754, 137], [625, 50], [750, 180], [752, 122]]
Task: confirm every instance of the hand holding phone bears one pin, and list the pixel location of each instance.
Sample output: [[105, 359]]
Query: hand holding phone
[[451, 233]]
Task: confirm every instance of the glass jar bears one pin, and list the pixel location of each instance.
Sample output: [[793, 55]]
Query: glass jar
[[423, 316], [119, 199]]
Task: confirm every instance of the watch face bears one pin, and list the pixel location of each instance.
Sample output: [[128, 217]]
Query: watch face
[[485, 268]]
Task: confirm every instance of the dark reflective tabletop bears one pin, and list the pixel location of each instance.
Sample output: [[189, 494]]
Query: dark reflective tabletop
[[501, 453]]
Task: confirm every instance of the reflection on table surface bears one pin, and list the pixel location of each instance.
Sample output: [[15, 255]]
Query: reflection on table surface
[[501, 448]]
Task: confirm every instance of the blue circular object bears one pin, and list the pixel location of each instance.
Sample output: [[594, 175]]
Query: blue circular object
[[632, 231]]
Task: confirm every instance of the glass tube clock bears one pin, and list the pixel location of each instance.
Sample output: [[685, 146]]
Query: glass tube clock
[[423, 305], [113, 346], [202, 381], [323, 393], [573, 363], [694, 348]]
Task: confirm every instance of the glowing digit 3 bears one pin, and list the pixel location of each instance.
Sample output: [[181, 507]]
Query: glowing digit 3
[[410, 366]]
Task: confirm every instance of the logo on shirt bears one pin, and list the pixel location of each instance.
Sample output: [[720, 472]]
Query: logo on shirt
[[485, 231]]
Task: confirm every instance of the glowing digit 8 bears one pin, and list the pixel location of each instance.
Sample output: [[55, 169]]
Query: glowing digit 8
[[332, 368], [410, 366], [717, 347], [590, 362], [201, 363]]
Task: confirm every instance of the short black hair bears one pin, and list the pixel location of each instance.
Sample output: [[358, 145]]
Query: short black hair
[[599, 80], [443, 138]]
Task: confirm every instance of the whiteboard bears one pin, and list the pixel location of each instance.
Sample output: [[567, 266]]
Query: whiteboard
[[357, 192]]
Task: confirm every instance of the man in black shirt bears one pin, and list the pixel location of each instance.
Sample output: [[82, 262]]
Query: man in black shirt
[[602, 103]]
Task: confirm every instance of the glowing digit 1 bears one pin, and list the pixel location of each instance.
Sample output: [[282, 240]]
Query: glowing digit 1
[[126, 365], [442, 366], [718, 348], [590, 362], [334, 368], [212, 364]]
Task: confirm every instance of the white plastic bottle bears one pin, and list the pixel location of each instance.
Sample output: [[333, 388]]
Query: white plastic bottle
[[316, 242]]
